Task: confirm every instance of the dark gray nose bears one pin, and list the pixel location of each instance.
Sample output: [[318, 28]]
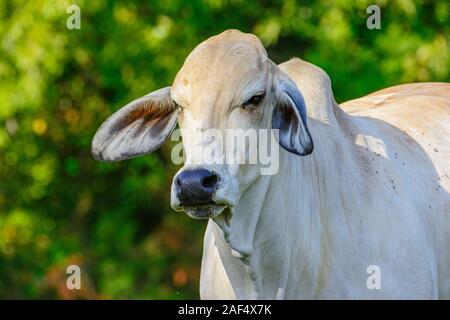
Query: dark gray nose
[[196, 187]]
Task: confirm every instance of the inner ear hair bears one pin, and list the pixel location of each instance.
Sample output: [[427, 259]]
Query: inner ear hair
[[148, 107], [138, 128]]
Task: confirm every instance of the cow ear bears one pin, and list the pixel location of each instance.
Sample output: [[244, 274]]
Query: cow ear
[[289, 117], [138, 128]]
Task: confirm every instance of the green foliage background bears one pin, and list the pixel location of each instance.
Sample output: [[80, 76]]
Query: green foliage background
[[59, 207]]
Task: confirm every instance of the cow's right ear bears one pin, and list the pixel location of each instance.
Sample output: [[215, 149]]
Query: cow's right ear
[[138, 128], [289, 117]]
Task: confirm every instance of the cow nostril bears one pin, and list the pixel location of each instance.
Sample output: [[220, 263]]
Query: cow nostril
[[196, 187], [210, 181]]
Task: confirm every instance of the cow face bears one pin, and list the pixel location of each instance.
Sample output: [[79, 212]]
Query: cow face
[[224, 96]]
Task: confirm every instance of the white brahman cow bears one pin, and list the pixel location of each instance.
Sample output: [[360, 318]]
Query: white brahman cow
[[373, 193]]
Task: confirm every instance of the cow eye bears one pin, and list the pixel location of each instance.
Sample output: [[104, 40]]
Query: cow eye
[[177, 105], [254, 101]]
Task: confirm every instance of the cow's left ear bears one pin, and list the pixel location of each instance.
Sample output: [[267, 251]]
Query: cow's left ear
[[137, 129], [289, 117]]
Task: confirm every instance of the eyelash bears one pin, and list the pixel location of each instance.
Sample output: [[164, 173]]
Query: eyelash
[[255, 100]]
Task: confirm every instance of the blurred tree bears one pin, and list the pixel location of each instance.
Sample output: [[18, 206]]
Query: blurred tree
[[59, 207]]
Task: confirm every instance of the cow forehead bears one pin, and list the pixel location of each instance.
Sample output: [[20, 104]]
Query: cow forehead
[[219, 69]]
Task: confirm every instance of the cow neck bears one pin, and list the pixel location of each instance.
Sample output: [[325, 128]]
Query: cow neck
[[280, 229]]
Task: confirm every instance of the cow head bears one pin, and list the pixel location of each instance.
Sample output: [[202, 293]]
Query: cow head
[[227, 83]]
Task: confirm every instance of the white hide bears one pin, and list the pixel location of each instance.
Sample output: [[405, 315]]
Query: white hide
[[375, 191]]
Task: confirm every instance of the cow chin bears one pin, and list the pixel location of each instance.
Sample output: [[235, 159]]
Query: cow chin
[[204, 212]]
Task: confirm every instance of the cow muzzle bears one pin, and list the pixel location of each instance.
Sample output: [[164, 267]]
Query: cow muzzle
[[203, 192]]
